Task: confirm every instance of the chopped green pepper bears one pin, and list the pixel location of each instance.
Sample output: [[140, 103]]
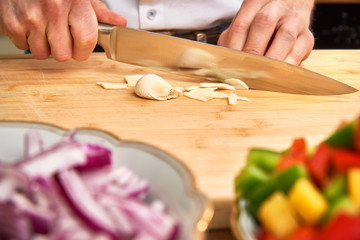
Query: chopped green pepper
[[264, 159], [335, 189], [250, 177], [343, 137], [286, 178]]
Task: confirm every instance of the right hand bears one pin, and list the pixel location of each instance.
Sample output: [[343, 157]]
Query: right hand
[[63, 29]]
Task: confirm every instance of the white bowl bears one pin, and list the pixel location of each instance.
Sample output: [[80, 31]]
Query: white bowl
[[170, 181]]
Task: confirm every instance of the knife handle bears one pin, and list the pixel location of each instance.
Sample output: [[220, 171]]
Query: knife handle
[[104, 31]]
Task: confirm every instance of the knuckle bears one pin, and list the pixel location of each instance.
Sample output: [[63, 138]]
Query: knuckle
[[264, 19], [240, 26], [88, 40], [289, 33]]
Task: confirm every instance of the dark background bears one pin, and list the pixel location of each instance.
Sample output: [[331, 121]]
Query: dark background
[[336, 26]]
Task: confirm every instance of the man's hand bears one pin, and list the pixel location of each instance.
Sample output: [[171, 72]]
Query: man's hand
[[275, 28], [63, 29]]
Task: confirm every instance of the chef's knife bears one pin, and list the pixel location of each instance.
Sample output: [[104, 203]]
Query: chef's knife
[[208, 61]]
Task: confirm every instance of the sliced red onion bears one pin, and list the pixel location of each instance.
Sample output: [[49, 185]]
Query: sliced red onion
[[120, 182], [33, 143], [96, 157], [83, 204], [13, 224], [71, 190], [57, 158]]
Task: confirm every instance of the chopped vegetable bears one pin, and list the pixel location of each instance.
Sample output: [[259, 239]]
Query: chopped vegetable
[[264, 159], [321, 186], [296, 154], [278, 216], [72, 191], [308, 201], [335, 189], [344, 226], [345, 159], [319, 164], [354, 186]]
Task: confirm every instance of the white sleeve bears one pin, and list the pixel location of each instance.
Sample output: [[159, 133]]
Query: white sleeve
[[175, 14]]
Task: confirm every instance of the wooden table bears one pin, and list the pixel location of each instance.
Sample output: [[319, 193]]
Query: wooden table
[[211, 138]]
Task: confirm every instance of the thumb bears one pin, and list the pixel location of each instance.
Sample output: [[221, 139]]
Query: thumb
[[104, 15]]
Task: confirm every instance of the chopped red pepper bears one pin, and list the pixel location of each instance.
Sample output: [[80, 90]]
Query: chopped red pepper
[[344, 159], [319, 165], [343, 226], [304, 233], [263, 235], [296, 155]]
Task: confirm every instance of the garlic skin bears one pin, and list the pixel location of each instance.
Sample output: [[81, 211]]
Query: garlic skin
[[152, 86]]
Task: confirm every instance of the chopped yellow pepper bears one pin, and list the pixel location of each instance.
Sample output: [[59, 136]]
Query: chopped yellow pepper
[[308, 201], [353, 186], [278, 216]]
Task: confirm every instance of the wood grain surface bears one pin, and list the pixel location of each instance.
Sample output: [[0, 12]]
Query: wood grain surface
[[211, 138]]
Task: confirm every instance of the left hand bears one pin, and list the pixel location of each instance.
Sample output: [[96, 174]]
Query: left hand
[[274, 28]]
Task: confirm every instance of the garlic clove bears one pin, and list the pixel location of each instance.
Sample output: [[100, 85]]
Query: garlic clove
[[152, 86]]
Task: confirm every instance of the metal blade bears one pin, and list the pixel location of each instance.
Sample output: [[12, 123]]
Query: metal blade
[[213, 62]]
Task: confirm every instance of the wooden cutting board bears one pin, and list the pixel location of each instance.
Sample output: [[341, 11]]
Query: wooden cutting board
[[211, 138]]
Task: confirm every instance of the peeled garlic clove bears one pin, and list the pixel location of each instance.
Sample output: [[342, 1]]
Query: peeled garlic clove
[[237, 83], [152, 86]]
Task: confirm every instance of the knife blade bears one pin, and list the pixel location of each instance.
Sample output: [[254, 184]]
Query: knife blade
[[201, 60]]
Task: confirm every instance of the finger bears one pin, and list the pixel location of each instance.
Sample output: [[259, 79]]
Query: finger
[[104, 15], [83, 28], [36, 36], [284, 39], [235, 36], [17, 35], [302, 48], [38, 44], [58, 32], [262, 28]]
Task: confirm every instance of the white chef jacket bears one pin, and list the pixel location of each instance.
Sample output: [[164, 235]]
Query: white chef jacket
[[174, 14]]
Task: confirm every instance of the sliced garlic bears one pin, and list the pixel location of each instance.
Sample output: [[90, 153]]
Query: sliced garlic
[[217, 85], [202, 94], [132, 79], [243, 98], [152, 86], [220, 95], [190, 88], [107, 85], [236, 83], [196, 58], [232, 98], [179, 90]]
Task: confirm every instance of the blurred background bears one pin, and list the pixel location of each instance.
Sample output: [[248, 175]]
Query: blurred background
[[336, 25]]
